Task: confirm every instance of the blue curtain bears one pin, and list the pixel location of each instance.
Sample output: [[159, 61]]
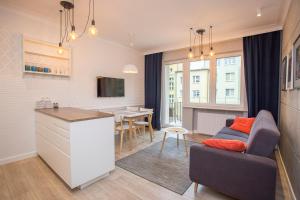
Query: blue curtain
[[153, 67], [262, 60]]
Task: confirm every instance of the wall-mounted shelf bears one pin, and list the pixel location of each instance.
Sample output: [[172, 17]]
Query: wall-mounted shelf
[[45, 73], [42, 58]]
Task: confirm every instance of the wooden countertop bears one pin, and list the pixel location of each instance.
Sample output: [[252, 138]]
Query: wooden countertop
[[73, 114]]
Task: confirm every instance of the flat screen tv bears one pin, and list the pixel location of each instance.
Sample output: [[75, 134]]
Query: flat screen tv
[[110, 87]]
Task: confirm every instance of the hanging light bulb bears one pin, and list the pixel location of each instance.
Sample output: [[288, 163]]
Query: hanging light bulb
[[60, 49], [93, 30], [211, 51], [190, 54], [202, 56], [73, 34]]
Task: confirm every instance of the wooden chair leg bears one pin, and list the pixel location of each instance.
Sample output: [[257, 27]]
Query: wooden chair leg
[[195, 187], [151, 136], [121, 141], [144, 129]]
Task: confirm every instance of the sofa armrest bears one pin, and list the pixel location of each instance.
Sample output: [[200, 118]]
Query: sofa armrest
[[243, 176], [229, 122]]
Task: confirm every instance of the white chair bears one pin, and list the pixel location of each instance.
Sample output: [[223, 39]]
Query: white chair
[[142, 123], [132, 108], [122, 127]]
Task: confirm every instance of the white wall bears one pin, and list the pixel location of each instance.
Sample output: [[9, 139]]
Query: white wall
[[18, 93]]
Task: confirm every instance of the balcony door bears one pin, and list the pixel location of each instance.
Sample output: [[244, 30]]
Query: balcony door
[[172, 97]]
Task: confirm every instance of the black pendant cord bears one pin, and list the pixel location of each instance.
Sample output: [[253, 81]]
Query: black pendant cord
[[66, 27], [88, 19], [60, 31]]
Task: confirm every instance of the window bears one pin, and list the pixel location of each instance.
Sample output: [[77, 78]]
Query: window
[[229, 76], [228, 80], [196, 93], [199, 70], [229, 92], [171, 83], [196, 79], [171, 98]]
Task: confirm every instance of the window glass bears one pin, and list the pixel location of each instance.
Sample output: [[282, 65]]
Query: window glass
[[228, 80], [199, 81]]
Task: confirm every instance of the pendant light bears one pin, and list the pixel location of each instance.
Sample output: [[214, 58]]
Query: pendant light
[[211, 49], [200, 33], [130, 69], [60, 48], [191, 54], [68, 33], [93, 30]]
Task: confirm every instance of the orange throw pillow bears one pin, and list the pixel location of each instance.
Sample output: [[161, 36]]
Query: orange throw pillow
[[231, 145], [242, 124]]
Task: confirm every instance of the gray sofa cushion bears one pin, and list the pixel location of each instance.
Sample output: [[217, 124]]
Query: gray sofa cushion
[[264, 135], [229, 131], [230, 137]]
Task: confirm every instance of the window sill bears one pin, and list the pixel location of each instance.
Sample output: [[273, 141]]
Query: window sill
[[215, 107]]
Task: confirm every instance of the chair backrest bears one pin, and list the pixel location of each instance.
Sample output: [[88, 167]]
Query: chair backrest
[[146, 110], [132, 108], [264, 135]]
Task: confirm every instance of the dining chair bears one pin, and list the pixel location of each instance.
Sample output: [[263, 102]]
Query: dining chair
[[132, 108], [142, 123], [122, 127]]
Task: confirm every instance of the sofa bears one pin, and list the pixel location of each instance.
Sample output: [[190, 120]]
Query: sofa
[[250, 175]]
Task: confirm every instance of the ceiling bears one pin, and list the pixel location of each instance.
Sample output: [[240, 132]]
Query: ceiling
[[158, 25]]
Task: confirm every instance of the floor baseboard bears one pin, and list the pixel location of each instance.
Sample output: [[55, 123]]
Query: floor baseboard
[[286, 175], [22, 156]]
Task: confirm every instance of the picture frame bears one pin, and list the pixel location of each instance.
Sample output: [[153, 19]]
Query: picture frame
[[283, 74], [296, 62], [290, 74]]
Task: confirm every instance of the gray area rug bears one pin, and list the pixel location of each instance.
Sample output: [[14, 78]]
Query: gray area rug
[[169, 169]]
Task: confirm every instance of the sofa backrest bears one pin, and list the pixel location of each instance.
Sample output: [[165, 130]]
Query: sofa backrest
[[264, 135]]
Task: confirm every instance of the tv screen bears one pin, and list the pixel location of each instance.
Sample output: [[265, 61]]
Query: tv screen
[[110, 87]]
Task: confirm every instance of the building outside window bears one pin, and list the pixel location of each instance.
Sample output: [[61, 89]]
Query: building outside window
[[228, 80], [199, 70]]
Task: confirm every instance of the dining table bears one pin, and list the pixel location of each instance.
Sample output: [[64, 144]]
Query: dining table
[[130, 117]]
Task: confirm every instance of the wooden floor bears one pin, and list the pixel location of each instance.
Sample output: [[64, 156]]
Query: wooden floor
[[32, 179]]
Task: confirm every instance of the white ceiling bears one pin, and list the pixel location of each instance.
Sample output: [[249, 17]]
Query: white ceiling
[[164, 24]]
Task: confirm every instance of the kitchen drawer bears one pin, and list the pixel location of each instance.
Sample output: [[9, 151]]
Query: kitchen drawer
[[55, 158], [58, 126], [48, 120], [54, 137]]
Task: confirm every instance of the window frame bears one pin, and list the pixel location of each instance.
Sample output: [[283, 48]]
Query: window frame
[[212, 85]]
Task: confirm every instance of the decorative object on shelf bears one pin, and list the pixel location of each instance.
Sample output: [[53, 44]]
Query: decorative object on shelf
[[296, 53], [55, 105], [283, 73], [290, 71], [130, 69], [69, 23], [198, 35], [45, 102]]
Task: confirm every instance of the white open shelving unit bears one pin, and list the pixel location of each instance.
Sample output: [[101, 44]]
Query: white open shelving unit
[[42, 54]]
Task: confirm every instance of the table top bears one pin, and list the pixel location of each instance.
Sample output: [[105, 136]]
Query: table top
[[176, 130], [73, 114], [131, 114]]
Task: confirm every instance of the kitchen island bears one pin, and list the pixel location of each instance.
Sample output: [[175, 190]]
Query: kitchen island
[[77, 144]]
